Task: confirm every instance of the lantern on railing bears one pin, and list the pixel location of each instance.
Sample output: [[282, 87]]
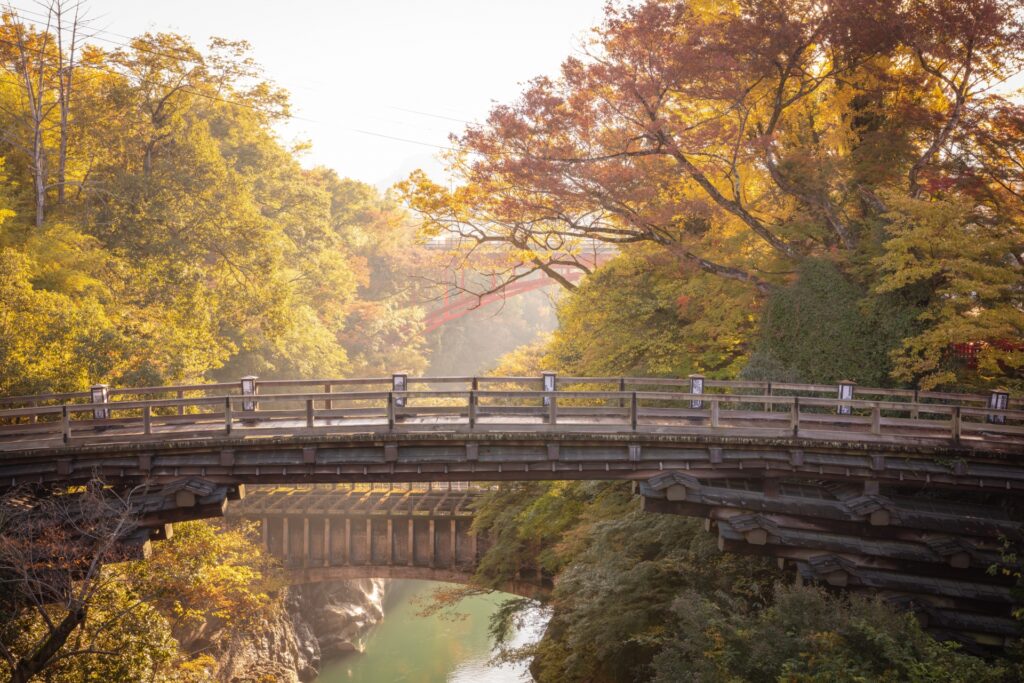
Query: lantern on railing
[[99, 393], [249, 389], [549, 382], [845, 394], [400, 382], [696, 387], [999, 399]]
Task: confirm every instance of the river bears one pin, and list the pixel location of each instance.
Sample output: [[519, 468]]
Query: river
[[408, 648]]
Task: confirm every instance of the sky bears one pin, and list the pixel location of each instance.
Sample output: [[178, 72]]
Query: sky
[[367, 65]]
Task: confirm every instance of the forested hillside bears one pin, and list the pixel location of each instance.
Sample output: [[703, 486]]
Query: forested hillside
[[799, 191], [155, 229], [816, 190]]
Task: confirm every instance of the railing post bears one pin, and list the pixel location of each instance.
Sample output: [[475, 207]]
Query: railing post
[[391, 411], [633, 411], [553, 411], [399, 382], [147, 427], [181, 397], [876, 419], [472, 409], [915, 412], [65, 423], [999, 399], [955, 427], [622, 390], [326, 551], [227, 414], [768, 407], [99, 393], [328, 404], [248, 384], [845, 394], [549, 382], [714, 414], [310, 413], [696, 387], [285, 541], [305, 541], [794, 415]]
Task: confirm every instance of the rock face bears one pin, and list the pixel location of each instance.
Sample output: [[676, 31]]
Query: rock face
[[339, 615], [319, 621], [282, 651]]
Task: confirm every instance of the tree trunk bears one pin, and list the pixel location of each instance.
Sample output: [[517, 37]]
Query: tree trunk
[[27, 668], [39, 167], [62, 157]]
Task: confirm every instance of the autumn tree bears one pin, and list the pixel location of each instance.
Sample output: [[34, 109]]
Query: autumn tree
[[192, 244], [53, 555], [78, 602], [744, 139]]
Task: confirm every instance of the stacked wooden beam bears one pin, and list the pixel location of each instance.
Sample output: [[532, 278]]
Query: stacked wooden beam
[[931, 555]]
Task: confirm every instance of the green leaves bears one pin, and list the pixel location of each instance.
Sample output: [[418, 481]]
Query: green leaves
[[960, 255], [192, 245], [640, 314], [807, 636], [824, 327]]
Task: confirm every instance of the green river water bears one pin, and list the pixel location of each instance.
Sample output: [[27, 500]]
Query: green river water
[[408, 648]]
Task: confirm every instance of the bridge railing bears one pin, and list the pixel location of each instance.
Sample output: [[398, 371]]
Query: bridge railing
[[548, 403], [625, 383]]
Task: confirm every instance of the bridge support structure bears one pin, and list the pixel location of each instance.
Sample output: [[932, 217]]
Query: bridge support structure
[[371, 530], [930, 555], [332, 533]]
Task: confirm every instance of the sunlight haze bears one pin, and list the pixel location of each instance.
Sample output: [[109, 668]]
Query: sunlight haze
[[358, 66]]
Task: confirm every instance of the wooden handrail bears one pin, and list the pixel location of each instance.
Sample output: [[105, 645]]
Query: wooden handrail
[[753, 399], [314, 382], [673, 405], [561, 381]]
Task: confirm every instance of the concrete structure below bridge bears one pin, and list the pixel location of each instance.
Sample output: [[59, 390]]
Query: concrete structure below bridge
[[329, 533]]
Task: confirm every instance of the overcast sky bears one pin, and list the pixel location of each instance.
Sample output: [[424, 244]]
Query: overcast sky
[[357, 65]]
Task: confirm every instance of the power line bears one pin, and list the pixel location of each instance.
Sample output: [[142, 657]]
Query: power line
[[393, 137], [426, 113]]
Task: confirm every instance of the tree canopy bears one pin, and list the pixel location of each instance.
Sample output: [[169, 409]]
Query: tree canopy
[[745, 138], [178, 239]]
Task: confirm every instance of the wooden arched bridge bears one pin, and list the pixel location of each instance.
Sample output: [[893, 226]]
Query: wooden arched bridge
[[909, 494]]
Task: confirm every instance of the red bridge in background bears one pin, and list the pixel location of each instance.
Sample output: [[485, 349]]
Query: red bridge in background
[[465, 302]]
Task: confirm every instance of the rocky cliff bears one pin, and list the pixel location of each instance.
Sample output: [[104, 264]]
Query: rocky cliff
[[339, 615], [319, 621]]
